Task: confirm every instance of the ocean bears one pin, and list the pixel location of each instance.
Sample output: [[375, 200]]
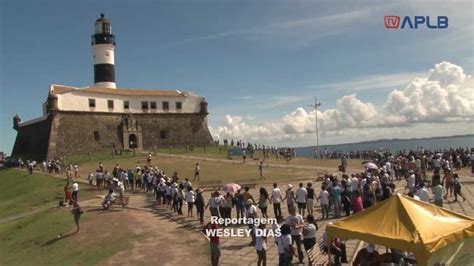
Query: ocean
[[395, 145]]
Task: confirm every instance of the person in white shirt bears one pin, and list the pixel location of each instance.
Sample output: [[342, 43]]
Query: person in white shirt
[[284, 245], [190, 197], [214, 204], [437, 164], [411, 181], [76, 171], [324, 197], [124, 178], [354, 183], [261, 247], [423, 193], [75, 191], [277, 226], [187, 184], [251, 212], [296, 223], [417, 164], [301, 197], [309, 233], [44, 166], [90, 178], [276, 200]]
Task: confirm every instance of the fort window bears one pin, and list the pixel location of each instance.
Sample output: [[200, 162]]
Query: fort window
[[126, 105], [153, 105], [110, 104], [92, 103], [145, 105], [166, 105], [96, 136], [163, 134], [179, 106]]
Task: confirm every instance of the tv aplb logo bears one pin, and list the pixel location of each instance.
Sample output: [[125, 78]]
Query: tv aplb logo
[[393, 22]]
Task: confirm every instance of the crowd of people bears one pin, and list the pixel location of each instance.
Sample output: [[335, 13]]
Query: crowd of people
[[430, 177], [267, 150], [459, 157]]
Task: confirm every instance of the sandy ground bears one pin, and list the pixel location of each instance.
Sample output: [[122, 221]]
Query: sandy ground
[[157, 241]]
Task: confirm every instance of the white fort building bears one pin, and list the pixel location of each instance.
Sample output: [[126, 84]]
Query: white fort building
[[100, 117]]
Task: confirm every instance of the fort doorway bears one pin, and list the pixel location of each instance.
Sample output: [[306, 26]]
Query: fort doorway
[[133, 141]]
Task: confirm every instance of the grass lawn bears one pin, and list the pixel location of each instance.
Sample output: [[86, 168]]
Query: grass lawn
[[33, 240], [21, 192], [226, 172]]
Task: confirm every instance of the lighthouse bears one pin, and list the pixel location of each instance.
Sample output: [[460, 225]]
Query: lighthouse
[[103, 47]]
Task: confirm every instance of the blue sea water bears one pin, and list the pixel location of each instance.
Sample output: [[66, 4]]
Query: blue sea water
[[396, 145]]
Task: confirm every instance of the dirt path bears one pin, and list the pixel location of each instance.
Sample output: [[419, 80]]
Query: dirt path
[[157, 241]]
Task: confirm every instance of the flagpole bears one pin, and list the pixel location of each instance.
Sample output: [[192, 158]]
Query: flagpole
[[315, 105]]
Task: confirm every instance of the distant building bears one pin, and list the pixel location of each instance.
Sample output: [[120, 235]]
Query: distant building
[[103, 117]]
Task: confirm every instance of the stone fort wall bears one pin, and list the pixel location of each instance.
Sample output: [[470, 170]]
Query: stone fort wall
[[32, 140], [72, 132]]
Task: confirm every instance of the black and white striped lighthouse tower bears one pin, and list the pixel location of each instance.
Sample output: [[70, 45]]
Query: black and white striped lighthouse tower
[[103, 47]]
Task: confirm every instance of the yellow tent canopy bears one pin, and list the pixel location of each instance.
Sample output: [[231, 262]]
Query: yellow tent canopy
[[403, 223]]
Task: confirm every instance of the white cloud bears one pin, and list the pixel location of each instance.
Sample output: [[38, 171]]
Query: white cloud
[[388, 81], [279, 101], [444, 97]]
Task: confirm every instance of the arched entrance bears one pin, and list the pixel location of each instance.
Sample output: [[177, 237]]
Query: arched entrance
[[133, 141]]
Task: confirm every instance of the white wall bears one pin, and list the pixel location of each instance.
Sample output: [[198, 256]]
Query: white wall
[[79, 101]]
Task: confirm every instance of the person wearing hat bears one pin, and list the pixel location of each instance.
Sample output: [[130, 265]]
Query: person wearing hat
[[251, 212], [290, 197], [367, 256], [199, 202]]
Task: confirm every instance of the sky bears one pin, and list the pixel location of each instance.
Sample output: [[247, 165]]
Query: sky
[[258, 63]]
